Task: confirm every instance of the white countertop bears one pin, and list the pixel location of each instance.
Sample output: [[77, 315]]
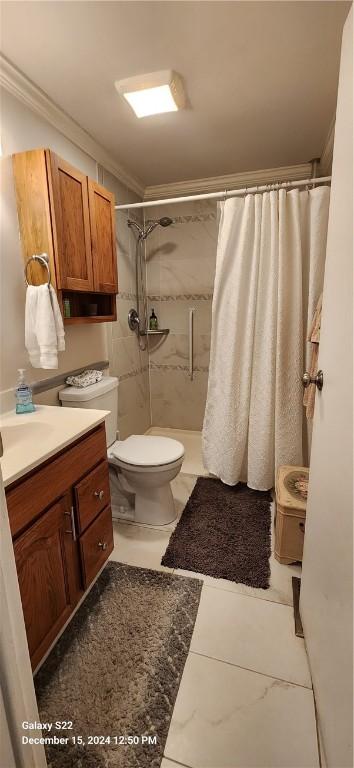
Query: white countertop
[[31, 438]]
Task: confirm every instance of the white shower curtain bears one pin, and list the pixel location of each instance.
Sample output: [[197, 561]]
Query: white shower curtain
[[269, 275]]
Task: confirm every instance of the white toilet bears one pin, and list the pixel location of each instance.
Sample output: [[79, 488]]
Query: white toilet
[[141, 467]]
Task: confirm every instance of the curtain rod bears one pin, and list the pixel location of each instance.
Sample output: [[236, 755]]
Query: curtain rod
[[226, 193]]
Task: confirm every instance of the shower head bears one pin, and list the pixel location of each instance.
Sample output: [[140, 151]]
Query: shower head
[[151, 225], [165, 221]]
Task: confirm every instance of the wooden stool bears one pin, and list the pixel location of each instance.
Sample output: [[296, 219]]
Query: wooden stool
[[291, 497]]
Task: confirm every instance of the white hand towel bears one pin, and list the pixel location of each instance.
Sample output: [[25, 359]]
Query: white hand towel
[[31, 340], [59, 326], [44, 332]]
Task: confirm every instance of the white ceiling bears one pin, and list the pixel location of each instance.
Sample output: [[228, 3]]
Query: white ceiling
[[261, 78]]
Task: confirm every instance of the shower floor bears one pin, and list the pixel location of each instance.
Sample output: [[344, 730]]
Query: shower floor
[[192, 441]]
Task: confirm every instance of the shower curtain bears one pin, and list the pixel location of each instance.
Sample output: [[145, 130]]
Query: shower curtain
[[269, 275]]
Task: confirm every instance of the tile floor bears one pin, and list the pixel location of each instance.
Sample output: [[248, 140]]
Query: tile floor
[[245, 698]]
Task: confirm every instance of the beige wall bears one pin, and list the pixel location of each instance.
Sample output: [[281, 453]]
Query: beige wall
[[180, 276], [21, 130]]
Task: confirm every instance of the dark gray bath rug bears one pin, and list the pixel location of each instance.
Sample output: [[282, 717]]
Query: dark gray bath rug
[[224, 532], [116, 670]]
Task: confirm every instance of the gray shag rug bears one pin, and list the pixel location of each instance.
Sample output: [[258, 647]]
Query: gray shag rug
[[116, 670], [224, 532]]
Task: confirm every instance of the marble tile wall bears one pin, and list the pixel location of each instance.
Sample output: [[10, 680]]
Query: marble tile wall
[[180, 266], [127, 361]]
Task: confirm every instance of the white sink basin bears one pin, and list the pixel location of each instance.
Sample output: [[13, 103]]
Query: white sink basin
[[27, 432]]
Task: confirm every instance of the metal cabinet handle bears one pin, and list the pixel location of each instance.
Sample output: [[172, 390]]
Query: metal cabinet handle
[[99, 495], [72, 530], [318, 380], [102, 545]]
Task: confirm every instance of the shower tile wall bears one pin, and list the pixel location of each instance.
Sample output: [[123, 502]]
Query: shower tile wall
[[126, 360], [180, 275]]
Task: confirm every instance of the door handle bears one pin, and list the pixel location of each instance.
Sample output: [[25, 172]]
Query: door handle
[[318, 380]]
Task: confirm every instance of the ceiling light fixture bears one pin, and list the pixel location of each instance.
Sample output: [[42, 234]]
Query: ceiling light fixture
[[153, 94]]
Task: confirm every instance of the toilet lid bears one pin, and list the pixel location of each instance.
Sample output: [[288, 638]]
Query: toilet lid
[[148, 450]]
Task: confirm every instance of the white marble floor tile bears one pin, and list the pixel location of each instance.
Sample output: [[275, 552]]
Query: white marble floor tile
[[227, 717], [250, 633], [137, 545], [280, 589]]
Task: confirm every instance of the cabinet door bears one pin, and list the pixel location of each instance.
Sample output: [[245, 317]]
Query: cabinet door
[[103, 236], [71, 225], [43, 568], [34, 213]]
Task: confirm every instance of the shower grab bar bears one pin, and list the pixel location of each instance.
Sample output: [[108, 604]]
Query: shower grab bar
[[191, 350]]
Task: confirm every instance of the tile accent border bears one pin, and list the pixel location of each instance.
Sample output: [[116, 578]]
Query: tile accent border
[[159, 366], [126, 296], [197, 217], [131, 374], [181, 297]]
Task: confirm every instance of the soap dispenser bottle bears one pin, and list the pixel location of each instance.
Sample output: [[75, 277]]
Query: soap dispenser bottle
[[24, 401], [153, 323]]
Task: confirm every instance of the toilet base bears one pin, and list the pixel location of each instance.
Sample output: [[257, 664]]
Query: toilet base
[[142, 494], [156, 507], [148, 506]]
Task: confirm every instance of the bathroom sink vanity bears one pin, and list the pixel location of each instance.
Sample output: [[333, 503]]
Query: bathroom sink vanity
[[60, 516]]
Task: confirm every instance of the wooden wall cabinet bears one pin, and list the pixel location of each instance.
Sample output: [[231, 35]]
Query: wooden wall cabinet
[[72, 218], [61, 523]]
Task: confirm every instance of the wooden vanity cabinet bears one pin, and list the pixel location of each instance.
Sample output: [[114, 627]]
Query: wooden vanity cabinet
[[70, 217], [61, 523], [45, 569]]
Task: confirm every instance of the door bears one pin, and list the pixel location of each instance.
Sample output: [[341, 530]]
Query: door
[[103, 235], [326, 601], [43, 569], [71, 224]]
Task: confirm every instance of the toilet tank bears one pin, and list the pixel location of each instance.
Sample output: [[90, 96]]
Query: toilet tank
[[103, 396]]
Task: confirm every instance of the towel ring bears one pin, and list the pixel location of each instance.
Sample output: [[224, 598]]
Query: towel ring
[[44, 260]]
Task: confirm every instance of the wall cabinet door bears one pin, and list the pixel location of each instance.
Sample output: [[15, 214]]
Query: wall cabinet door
[[103, 236], [71, 225], [44, 570]]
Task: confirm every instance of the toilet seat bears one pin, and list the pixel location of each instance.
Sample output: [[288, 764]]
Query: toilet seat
[[146, 453]]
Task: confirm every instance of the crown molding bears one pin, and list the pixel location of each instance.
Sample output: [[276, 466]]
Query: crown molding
[[37, 100], [327, 152], [232, 181]]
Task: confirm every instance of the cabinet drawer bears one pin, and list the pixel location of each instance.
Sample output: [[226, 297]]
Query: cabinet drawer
[[29, 497], [96, 544], [289, 537], [92, 495]]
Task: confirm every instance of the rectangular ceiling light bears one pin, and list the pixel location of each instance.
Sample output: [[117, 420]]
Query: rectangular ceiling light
[[154, 93]]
